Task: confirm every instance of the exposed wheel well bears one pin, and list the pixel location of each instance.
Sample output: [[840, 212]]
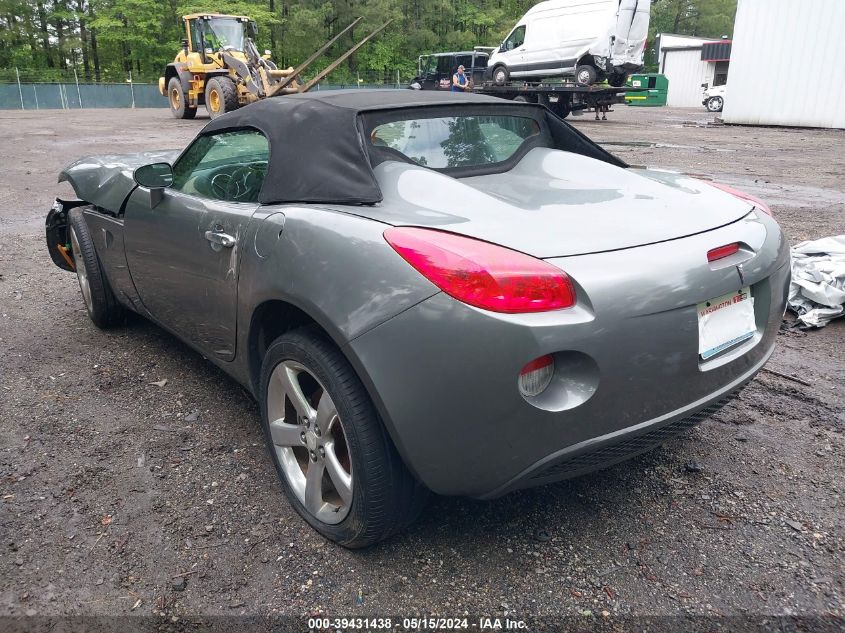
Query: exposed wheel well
[[270, 320], [172, 71], [587, 60], [169, 73]]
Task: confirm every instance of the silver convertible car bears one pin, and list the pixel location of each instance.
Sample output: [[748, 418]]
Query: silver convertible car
[[431, 292]]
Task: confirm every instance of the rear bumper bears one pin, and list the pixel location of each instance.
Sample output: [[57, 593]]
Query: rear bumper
[[627, 371], [613, 448]]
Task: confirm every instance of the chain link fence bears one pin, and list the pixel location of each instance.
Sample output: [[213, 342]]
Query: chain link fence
[[22, 89]]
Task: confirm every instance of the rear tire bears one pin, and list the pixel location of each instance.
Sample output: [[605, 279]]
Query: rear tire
[[562, 108], [179, 100], [585, 75], [100, 302], [374, 496], [221, 96], [617, 80], [501, 75], [715, 104]]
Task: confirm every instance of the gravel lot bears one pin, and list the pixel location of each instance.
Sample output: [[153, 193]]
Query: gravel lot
[[122, 496]]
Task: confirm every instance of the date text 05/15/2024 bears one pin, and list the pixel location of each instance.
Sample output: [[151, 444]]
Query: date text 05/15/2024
[[416, 624]]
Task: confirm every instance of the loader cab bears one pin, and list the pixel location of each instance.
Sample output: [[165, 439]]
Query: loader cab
[[209, 34]]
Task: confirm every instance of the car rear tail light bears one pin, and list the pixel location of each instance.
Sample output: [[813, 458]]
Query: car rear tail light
[[722, 251], [744, 196], [482, 274], [536, 376]]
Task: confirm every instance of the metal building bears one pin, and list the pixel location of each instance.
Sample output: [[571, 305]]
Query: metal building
[[689, 62], [786, 64]]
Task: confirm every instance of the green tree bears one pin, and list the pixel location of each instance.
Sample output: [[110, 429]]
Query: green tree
[[107, 39]]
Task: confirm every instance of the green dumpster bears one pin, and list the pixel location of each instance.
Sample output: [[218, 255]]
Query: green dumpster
[[658, 89]]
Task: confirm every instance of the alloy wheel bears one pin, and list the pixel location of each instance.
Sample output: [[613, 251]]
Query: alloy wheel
[[310, 442]]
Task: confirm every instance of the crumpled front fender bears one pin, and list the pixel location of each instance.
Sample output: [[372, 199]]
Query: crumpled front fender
[[106, 181]]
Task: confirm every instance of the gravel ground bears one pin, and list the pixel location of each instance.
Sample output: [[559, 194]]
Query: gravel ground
[[121, 496]]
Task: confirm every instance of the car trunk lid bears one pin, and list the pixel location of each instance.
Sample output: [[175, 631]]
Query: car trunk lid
[[555, 204]]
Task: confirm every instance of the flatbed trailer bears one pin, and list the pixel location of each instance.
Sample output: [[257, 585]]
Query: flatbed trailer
[[561, 98]]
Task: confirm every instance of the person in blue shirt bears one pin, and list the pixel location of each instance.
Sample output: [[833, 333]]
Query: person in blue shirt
[[459, 81]]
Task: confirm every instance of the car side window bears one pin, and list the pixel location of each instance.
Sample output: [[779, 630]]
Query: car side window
[[463, 60], [516, 38], [228, 166]]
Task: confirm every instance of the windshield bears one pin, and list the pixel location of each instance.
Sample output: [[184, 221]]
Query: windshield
[[223, 33], [428, 65], [456, 141]]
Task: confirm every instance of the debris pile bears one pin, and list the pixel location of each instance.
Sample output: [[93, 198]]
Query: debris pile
[[817, 291]]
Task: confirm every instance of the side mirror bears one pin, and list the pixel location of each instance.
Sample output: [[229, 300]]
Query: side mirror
[[154, 176], [705, 86], [252, 29], [185, 44]]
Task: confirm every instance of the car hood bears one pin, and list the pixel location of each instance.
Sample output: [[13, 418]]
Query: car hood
[[106, 180], [555, 204]]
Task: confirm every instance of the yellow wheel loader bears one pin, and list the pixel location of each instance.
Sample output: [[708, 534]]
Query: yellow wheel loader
[[219, 66]]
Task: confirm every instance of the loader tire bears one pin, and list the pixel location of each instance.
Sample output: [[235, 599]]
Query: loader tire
[[179, 100], [221, 96]]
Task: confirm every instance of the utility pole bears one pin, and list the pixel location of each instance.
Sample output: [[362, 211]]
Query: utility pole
[[78, 93], [20, 92]]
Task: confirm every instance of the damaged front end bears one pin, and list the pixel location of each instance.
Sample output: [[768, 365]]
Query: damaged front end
[[58, 238]]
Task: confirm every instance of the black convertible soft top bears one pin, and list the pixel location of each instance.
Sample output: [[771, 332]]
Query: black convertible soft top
[[317, 151]]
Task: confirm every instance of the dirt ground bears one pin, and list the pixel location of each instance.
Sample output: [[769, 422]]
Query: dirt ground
[[119, 496]]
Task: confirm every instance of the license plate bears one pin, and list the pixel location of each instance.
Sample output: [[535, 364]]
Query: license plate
[[724, 322]]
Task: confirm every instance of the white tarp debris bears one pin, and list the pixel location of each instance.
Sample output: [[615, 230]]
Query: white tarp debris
[[817, 292]]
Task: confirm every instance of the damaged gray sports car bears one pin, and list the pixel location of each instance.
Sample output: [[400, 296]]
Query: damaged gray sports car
[[431, 292]]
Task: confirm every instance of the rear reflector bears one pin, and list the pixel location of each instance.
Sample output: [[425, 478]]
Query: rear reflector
[[759, 204], [722, 251], [481, 274], [536, 376]]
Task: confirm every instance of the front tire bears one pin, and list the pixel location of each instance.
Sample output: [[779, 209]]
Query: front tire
[[585, 75], [501, 75], [336, 462], [715, 104], [179, 100], [221, 96], [100, 302]]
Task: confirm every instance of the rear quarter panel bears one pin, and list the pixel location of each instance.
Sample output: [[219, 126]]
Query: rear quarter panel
[[334, 266]]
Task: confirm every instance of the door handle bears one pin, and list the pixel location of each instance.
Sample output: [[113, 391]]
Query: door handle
[[216, 237]]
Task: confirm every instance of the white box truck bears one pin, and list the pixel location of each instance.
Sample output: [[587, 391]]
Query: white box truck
[[592, 40]]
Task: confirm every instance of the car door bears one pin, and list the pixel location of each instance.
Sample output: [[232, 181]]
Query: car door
[[183, 251], [428, 72], [542, 53], [479, 67], [446, 67], [512, 51]]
